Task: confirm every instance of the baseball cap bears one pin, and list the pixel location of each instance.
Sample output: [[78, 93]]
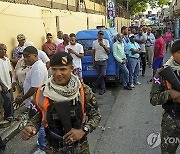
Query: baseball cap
[[131, 35], [30, 50], [61, 59], [28, 43], [101, 32], [21, 37], [144, 27]]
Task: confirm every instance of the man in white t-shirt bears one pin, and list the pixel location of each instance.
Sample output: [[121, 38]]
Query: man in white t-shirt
[[6, 84], [35, 77], [100, 49], [76, 51], [41, 54], [59, 38]]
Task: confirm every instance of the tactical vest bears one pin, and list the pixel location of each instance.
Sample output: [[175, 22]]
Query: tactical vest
[[44, 103]]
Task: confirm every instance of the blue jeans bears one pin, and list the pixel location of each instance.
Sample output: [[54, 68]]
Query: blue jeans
[[125, 73], [101, 67], [8, 103], [41, 138], [134, 68]]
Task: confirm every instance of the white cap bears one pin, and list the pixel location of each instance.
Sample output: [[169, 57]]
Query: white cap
[[28, 43], [130, 35]]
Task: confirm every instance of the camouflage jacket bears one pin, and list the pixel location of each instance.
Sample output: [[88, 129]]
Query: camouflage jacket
[[91, 108], [159, 94]]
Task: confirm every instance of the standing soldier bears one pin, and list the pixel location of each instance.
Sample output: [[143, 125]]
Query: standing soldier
[[62, 105], [163, 94]]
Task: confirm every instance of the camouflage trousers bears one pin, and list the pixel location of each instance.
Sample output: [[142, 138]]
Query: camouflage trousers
[[80, 148], [170, 134]]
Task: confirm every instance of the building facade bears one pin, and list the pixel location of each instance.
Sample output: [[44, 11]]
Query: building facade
[[35, 18]]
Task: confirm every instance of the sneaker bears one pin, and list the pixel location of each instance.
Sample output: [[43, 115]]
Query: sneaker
[[102, 92], [138, 83], [10, 119], [4, 124], [132, 86], [149, 82], [127, 88], [39, 151]]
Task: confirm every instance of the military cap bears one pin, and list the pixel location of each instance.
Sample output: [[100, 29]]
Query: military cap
[[30, 50], [21, 37], [61, 59]]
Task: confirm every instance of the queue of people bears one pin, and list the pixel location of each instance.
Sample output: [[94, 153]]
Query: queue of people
[[141, 47]]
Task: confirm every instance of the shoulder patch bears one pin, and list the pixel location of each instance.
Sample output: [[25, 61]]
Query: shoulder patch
[[157, 80]]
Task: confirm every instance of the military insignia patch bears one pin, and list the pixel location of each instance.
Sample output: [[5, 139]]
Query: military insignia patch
[[33, 107], [157, 80], [64, 60]]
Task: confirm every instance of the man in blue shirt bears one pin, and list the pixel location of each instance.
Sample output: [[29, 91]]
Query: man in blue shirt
[[133, 61], [125, 40], [140, 38]]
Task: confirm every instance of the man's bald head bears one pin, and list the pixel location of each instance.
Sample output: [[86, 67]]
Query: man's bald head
[[149, 29], [119, 37], [1, 45]]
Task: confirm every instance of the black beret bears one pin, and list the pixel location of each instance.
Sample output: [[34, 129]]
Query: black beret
[[61, 59], [30, 50]]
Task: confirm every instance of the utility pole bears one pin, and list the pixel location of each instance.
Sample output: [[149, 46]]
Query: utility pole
[[127, 5]]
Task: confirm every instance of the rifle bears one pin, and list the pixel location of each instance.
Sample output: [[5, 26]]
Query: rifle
[[66, 149], [169, 75], [63, 110]]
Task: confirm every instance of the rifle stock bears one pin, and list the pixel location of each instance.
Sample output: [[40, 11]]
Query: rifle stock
[[169, 75]]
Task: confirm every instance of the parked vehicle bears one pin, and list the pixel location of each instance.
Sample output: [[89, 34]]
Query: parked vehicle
[[86, 38]]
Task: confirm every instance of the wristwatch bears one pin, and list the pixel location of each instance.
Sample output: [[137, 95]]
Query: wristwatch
[[86, 130]]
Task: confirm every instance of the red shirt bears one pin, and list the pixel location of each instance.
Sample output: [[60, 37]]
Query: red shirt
[[160, 45], [49, 49]]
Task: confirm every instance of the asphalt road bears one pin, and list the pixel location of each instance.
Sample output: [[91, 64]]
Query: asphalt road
[[127, 120]]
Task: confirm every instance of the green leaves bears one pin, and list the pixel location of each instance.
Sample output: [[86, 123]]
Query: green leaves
[[137, 6]]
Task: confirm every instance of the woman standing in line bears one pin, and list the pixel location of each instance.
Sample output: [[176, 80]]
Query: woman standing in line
[[168, 38]]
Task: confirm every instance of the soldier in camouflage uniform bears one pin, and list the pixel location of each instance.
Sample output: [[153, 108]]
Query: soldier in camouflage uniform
[[63, 85], [163, 94]]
